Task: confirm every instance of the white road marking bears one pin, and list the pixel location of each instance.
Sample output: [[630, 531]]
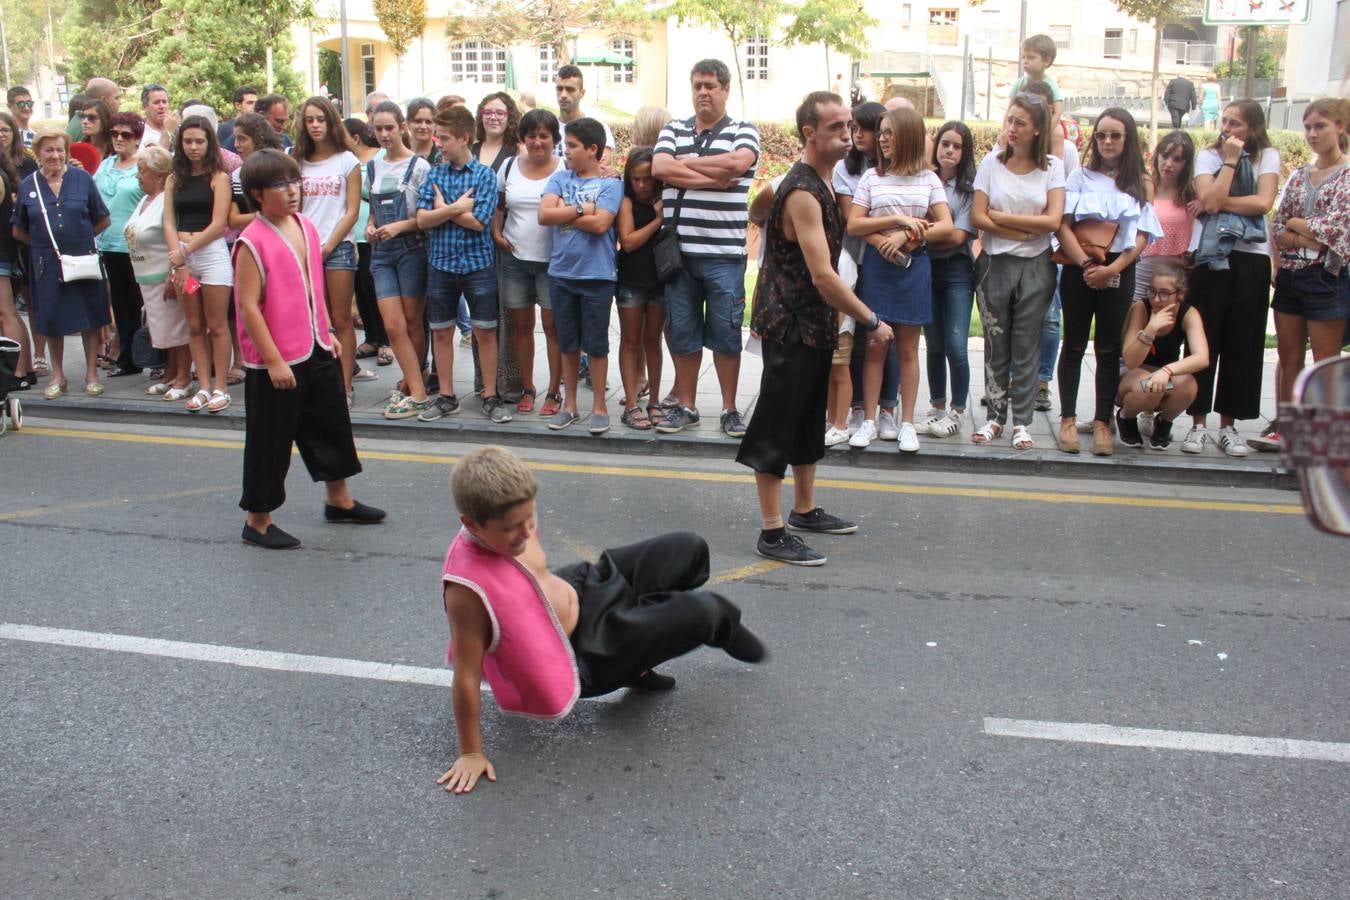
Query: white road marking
[[1199, 741]]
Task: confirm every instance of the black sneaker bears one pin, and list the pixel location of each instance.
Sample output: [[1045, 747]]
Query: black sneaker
[[1161, 438], [732, 424], [821, 522], [1128, 428], [443, 405], [789, 549], [496, 410]]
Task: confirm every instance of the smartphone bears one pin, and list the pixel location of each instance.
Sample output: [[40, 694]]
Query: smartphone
[[1143, 385]]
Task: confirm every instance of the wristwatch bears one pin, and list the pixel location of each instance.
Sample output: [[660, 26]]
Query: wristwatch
[[581, 209]]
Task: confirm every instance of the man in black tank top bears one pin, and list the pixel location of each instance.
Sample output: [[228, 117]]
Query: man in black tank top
[[796, 297]]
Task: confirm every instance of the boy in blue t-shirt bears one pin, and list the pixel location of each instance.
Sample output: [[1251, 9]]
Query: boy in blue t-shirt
[[580, 205]]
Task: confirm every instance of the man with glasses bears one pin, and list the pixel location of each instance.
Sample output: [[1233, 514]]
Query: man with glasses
[[155, 102], [21, 108]]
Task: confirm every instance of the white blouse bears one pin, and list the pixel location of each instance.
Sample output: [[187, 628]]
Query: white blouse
[[1092, 195], [145, 241]]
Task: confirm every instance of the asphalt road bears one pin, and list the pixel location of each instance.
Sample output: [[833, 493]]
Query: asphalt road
[[855, 763]]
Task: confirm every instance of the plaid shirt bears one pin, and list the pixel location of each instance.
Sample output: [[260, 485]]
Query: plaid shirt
[[453, 248]]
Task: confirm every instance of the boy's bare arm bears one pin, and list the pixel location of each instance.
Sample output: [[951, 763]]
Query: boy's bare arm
[[470, 633]]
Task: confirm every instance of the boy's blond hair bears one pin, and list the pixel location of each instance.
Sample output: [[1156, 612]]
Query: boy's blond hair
[[489, 481], [1043, 45]]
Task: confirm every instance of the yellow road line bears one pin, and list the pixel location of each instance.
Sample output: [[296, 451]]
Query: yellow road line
[[756, 568], [39, 511], [738, 478]]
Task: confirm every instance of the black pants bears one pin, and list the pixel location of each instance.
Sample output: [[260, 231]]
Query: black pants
[[1233, 306], [1177, 116], [366, 304], [1080, 305], [312, 415], [638, 608], [788, 426], [126, 304]]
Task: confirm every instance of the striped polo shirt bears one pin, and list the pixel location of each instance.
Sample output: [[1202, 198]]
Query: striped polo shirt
[[712, 221]]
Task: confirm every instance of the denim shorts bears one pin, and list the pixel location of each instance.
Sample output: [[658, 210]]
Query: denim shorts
[[444, 288], [524, 283], [5, 270], [342, 257], [720, 281], [402, 273], [581, 313], [630, 298], [1312, 293]]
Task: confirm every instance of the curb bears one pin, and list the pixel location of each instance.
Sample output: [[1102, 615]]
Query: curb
[[937, 456]]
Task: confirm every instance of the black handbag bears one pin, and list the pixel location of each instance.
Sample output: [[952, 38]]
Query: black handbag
[[666, 249], [144, 354]]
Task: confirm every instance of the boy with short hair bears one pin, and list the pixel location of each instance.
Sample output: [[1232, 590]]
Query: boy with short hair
[[580, 204], [1038, 55], [455, 207], [543, 639], [21, 108]]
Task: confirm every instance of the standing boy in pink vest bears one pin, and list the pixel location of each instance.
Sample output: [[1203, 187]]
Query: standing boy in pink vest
[[293, 389], [543, 639]]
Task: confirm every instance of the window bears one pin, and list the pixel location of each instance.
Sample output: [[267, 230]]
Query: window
[[906, 13], [622, 46], [757, 58], [477, 61], [944, 16], [943, 26], [548, 63], [1062, 35], [1112, 44], [367, 69], [1132, 41]]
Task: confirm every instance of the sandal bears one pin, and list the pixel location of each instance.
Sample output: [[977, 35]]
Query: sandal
[[174, 393], [197, 402], [655, 413], [94, 389], [366, 351], [156, 390], [634, 417], [219, 402], [1021, 438], [991, 431], [526, 402], [40, 367], [234, 376], [385, 357], [552, 403]]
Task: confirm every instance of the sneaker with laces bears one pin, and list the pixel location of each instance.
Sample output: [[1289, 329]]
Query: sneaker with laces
[[443, 405], [789, 549], [855, 420], [1195, 440], [864, 435], [821, 522], [929, 418], [1128, 428], [677, 420], [406, 408], [1161, 436], [946, 426], [1042, 401], [886, 427], [496, 410], [1268, 441], [834, 437], [733, 426], [1231, 442], [909, 438]]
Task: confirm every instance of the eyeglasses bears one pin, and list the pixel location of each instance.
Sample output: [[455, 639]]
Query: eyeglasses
[[285, 185], [123, 135], [494, 114], [1164, 293], [24, 104], [89, 117], [1100, 136]]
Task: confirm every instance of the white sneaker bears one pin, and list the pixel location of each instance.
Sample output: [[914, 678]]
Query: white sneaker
[[855, 420], [834, 437], [946, 426], [1232, 443], [1195, 440], [886, 429], [933, 415], [866, 433], [909, 438]]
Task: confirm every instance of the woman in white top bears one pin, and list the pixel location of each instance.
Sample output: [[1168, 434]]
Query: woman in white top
[[1098, 279], [149, 252], [331, 198], [1019, 203], [897, 207], [398, 255], [1232, 292], [525, 246]]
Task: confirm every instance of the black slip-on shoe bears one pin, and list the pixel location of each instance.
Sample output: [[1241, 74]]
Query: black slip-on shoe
[[272, 539], [359, 514]]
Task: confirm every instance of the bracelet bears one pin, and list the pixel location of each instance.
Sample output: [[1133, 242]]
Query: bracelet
[[1170, 373], [872, 324], [1144, 337]]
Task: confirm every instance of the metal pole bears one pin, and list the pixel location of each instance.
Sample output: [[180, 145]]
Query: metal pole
[[989, 84], [965, 78], [1021, 37], [346, 58]]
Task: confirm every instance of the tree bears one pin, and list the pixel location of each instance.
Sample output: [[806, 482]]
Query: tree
[[107, 37], [402, 22], [840, 25], [505, 23], [1160, 13], [1267, 59], [25, 37], [739, 20]]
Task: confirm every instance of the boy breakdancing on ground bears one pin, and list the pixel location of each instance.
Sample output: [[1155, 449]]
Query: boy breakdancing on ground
[[543, 639]]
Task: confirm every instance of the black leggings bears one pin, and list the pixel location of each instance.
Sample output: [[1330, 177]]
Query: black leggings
[[1080, 305], [126, 303], [366, 303], [638, 608]]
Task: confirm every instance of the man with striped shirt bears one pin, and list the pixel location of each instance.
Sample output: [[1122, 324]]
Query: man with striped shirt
[[707, 163]]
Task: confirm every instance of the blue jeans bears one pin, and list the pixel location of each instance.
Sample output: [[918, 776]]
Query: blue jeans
[[1050, 333], [445, 288], [720, 282], [462, 318], [581, 313], [947, 335]]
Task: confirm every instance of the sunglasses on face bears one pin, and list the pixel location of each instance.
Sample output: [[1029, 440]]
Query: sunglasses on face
[[123, 135], [1101, 136], [89, 117], [24, 104], [1033, 99]]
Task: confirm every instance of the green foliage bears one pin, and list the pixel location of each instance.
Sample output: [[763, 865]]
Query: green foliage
[[107, 37], [503, 23], [838, 24], [330, 68], [739, 20], [26, 34], [402, 21]]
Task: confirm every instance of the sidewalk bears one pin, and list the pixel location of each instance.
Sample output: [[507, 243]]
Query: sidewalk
[[125, 401]]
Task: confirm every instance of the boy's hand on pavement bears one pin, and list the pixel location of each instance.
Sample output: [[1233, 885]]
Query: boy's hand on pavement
[[466, 771]]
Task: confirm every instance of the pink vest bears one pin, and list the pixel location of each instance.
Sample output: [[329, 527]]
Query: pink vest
[[296, 316], [529, 662]]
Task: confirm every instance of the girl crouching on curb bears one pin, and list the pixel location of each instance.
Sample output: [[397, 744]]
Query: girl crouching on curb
[[293, 389]]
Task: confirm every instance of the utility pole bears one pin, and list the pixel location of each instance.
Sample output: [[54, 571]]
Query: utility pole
[[4, 44], [965, 78], [1021, 37], [346, 59]]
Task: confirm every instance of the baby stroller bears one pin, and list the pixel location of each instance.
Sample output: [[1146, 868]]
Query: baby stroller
[[11, 409]]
